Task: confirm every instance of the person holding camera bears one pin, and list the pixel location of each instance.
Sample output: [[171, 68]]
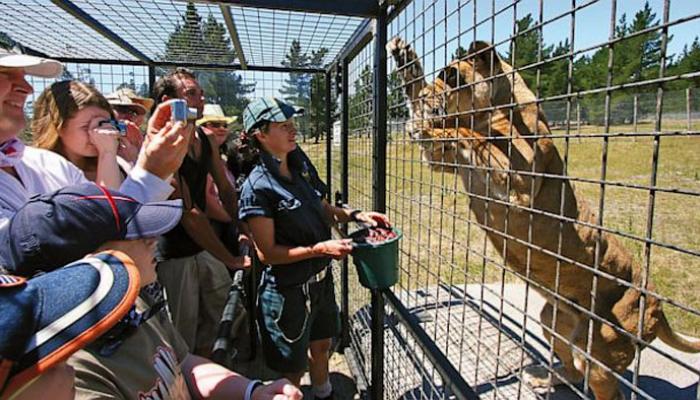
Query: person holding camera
[[192, 260], [74, 119], [282, 200], [26, 171]]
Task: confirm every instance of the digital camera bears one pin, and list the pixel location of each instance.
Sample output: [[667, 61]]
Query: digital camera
[[181, 112], [118, 125]]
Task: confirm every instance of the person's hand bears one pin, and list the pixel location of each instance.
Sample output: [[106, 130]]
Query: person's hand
[[280, 389], [372, 218], [103, 136], [133, 133], [336, 249], [165, 144], [130, 145], [238, 262], [244, 241]]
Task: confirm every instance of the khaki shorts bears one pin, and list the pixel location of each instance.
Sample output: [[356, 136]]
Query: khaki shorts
[[196, 288]]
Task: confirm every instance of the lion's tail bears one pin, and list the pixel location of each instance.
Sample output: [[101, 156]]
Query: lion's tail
[[671, 338]]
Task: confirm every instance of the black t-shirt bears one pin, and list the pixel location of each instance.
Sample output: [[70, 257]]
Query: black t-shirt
[[177, 243], [294, 205]]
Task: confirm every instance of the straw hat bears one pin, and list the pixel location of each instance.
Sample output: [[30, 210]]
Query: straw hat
[[214, 113], [128, 98]]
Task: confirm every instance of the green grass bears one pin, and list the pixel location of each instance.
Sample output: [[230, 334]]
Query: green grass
[[442, 244]]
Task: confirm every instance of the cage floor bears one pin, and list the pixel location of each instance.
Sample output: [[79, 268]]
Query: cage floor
[[491, 359]]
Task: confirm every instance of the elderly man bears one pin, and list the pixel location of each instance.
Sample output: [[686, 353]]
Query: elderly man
[[128, 106], [26, 171], [131, 110]]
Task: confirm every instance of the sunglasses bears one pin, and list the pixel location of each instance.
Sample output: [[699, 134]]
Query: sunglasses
[[127, 111], [217, 125]]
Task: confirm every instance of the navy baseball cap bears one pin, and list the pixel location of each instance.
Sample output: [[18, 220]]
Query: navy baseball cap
[[54, 229], [267, 109], [44, 320]]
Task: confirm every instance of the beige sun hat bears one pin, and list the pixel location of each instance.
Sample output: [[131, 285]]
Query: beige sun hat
[[214, 113], [127, 97], [37, 66]]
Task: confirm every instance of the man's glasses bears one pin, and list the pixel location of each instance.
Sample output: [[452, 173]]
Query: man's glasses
[[128, 112], [216, 125]]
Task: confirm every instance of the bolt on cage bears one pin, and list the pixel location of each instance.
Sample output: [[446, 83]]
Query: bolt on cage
[[619, 93]]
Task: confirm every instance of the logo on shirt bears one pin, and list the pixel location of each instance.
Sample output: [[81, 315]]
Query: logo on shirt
[[288, 205], [170, 383]]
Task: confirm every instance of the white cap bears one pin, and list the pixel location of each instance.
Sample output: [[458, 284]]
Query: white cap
[[43, 67]]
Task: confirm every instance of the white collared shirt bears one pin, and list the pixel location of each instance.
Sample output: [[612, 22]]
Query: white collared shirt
[[42, 171]]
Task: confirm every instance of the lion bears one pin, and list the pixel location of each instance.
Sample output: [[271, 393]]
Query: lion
[[479, 119]]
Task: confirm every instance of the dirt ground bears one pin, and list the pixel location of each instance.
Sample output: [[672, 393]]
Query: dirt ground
[[343, 383], [341, 379]]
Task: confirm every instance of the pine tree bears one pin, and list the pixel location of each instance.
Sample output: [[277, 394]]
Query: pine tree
[[317, 98], [460, 53], [360, 104], [554, 75], [217, 42], [524, 50], [635, 58], [296, 86], [208, 42], [688, 61], [185, 43]]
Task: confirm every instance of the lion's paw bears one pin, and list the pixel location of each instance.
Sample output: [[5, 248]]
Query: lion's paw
[[538, 378], [402, 52], [395, 45]]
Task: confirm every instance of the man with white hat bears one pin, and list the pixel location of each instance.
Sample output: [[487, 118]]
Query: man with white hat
[[26, 171]]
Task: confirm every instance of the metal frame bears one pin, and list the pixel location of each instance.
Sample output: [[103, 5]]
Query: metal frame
[[362, 8], [379, 15], [379, 192], [88, 20], [607, 136], [355, 8], [233, 32]]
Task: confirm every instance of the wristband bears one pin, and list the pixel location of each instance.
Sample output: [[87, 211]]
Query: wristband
[[353, 215], [252, 385]]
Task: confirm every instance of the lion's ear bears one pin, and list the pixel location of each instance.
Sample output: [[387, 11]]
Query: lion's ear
[[484, 55]]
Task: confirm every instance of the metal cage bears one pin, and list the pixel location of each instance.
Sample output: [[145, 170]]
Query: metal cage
[[539, 157]]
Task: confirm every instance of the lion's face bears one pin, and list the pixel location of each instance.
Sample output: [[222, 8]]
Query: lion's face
[[456, 97]]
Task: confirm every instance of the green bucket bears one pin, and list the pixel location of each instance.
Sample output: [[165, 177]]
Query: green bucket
[[377, 264]]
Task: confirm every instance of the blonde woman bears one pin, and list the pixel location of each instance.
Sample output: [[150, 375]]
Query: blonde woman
[[73, 119]]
